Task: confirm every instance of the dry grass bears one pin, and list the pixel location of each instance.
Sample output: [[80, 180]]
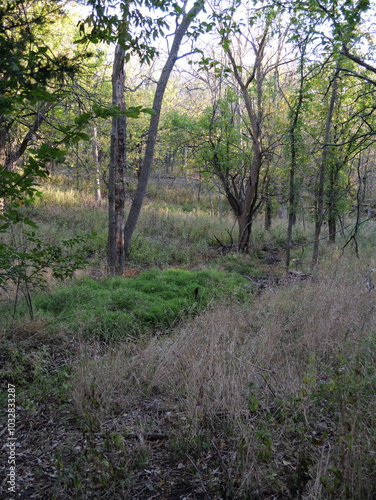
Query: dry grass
[[272, 400], [53, 196], [288, 378]]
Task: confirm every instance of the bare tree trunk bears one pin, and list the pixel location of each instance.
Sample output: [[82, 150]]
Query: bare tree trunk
[[3, 141], [319, 215], [116, 183], [97, 182], [143, 178], [293, 160], [246, 217], [245, 231], [332, 212], [268, 207], [12, 158]]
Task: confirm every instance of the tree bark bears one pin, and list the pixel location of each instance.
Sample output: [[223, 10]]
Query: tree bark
[[293, 159], [332, 205], [116, 183], [143, 178], [3, 141], [97, 182], [268, 207], [9, 159], [246, 218], [319, 213]]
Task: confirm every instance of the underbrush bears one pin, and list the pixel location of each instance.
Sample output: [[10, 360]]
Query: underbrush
[[187, 197], [167, 235], [283, 394], [177, 227], [182, 383]]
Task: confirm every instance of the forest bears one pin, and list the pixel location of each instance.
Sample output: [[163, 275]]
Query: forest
[[187, 249]]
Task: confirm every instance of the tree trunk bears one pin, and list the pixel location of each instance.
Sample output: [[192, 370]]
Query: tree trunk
[[97, 181], [3, 141], [143, 178], [292, 193], [319, 215], [9, 159], [245, 231], [332, 211], [247, 214], [116, 183], [332, 225], [268, 207], [293, 159]]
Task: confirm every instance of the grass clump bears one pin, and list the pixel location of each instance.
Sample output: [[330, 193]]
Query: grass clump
[[153, 301]]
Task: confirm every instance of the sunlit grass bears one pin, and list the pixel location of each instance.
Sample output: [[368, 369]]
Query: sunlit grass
[[65, 196]]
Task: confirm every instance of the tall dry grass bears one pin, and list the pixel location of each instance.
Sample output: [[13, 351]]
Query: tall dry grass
[[291, 379]]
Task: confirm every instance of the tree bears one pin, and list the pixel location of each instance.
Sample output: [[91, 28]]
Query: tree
[[255, 115], [224, 151], [294, 136], [32, 83], [28, 66], [248, 66], [183, 21], [133, 35], [319, 199], [116, 183]]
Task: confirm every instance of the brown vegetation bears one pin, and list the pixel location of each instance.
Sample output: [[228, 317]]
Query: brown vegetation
[[258, 382]]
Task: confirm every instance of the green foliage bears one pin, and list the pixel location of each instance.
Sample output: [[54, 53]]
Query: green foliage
[[24, 256], [244, 265], [152, 302], [43, 382], [130, 27], [345, 396], [74, 133], [26, 265], [335, 405], [34, 82], [86, 471], [37, 377], [27, 63], [225, 152], [20, 186]]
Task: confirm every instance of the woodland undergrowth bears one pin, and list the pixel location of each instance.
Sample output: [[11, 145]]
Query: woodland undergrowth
[[264, 391]]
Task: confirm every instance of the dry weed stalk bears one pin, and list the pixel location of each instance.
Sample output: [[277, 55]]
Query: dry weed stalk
[[254, 371]]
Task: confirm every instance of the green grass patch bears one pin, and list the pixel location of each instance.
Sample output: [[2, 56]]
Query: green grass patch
[[242, 264], [154, 301]]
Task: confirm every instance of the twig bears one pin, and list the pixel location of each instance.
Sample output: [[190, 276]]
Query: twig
[[224, 465], [200, 477], [259, 368], [151, 436]]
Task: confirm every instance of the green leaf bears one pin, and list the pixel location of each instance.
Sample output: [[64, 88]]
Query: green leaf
[[83, 119], [149, 111], [48, 153]]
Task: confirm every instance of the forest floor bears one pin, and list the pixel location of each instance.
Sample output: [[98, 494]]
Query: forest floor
[[61, 454], [265, 391]]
